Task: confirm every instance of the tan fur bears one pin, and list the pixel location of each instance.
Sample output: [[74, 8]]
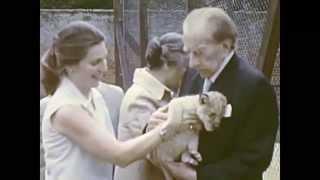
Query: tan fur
[[185, 142]]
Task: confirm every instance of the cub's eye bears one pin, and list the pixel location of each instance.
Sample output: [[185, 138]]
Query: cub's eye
[[212, 115]]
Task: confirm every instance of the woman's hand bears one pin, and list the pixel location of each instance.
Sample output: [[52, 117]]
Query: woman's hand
[[157, 118]]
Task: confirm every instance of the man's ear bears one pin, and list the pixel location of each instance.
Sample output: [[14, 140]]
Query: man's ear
[[203, 98]]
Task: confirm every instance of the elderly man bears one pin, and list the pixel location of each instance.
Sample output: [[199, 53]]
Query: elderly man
[[241, 148]]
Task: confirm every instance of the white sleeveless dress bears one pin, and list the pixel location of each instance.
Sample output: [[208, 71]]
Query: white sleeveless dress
[[66, 160]]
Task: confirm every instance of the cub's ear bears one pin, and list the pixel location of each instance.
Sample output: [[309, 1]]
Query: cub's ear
[[203, 98]]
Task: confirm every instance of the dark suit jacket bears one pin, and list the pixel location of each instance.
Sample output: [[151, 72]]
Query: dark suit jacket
[[241, 148]]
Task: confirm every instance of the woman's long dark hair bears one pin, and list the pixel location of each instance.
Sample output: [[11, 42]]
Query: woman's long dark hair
[[69, 47]]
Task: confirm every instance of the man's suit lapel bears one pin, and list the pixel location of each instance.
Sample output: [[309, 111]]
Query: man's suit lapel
[[192, 82], [227, 75]]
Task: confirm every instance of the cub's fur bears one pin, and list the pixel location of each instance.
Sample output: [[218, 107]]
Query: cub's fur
[[208, 109]]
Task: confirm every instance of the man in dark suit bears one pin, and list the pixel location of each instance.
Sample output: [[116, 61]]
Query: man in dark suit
[[241, 148]]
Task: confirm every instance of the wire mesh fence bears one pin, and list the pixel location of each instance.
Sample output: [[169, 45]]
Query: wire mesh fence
[[273, 172]]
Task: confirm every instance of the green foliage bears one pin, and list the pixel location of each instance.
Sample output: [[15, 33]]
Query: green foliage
[[76, 4]]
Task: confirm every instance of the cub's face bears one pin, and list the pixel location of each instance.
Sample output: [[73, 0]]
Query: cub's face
[[211, 109]]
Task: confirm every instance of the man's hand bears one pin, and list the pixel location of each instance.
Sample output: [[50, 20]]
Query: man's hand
[[181, 171], [191, 157]]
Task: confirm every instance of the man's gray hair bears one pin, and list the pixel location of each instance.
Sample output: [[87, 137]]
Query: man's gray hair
[[213, 22]]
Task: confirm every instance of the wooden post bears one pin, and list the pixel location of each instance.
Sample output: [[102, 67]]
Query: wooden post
[[116, 9], [124, 40], [192, 4], [143, 24], [120, 41], [271, 40]]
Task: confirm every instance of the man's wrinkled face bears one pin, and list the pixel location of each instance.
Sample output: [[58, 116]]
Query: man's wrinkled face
[[205, 54]]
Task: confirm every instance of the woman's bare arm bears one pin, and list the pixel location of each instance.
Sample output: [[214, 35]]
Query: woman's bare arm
[[76, 124]]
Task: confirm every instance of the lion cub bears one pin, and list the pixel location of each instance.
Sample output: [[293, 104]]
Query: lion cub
[[208, 108]]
